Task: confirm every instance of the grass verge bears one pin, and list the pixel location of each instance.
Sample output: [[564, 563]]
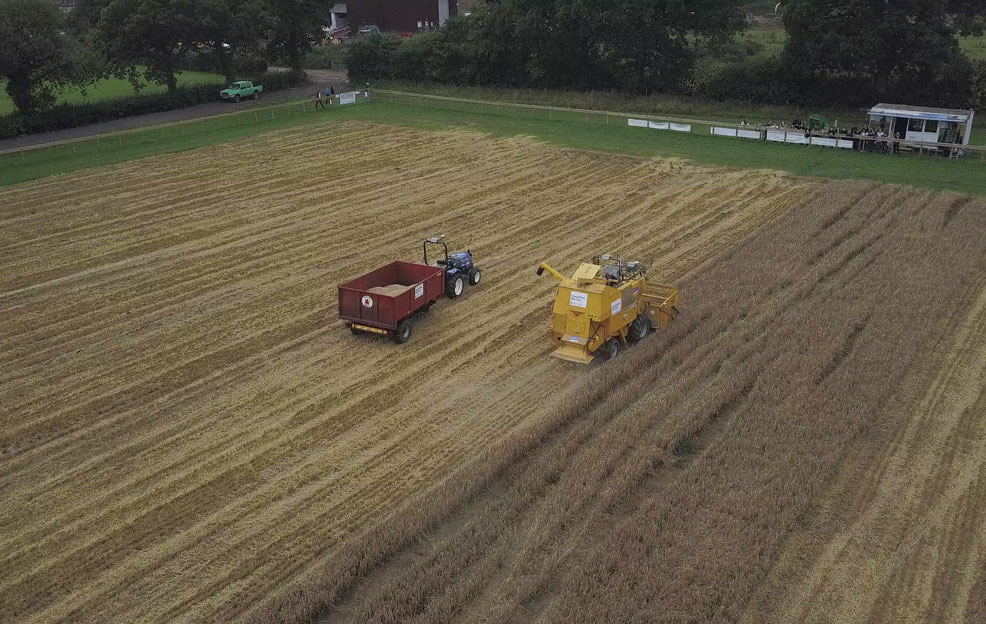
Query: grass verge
[[582, 131]]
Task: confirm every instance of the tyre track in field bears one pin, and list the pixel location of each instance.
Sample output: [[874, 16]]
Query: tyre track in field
[[558, 524], [915, 546], [204, 477]]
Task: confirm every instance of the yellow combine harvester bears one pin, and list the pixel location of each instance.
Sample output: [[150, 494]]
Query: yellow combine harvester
[[606, 305]]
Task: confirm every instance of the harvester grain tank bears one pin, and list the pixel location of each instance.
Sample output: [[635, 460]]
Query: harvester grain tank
[[605, 306]]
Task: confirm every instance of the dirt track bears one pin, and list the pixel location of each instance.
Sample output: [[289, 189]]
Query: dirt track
[[185, 424], [320, 78]]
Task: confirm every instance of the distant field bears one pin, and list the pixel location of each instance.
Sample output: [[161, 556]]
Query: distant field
[[111, 88], [772, 37]]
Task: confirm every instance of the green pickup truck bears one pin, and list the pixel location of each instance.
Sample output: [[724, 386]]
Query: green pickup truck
[[241, 89]]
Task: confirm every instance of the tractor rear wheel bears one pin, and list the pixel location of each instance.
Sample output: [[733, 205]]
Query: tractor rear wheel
[[403, 332], [639, 328], [474, 276], [611, 349], [454, 286]]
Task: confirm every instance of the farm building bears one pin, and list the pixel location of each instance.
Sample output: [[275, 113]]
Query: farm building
[[400, 15], [924, 124], [339, 15]]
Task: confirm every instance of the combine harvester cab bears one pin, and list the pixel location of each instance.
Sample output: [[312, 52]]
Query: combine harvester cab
[[604, 307]]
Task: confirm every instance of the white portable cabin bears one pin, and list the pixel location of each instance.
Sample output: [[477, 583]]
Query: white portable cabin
[[924, 124]]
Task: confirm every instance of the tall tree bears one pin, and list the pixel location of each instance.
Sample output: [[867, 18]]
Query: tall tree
[[154, 33], [903, 44], [231, 27], [33, 53], [638, 45], [296, 27]]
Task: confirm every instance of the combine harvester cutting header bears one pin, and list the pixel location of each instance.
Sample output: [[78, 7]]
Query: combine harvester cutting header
[[605, 306]]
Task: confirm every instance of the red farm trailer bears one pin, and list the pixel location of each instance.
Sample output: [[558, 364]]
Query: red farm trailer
[[383, 301]]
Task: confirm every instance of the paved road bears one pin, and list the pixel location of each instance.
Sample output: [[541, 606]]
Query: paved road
[[320, 78]]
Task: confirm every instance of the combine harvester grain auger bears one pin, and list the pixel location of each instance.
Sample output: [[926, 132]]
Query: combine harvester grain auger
[[605, 306]]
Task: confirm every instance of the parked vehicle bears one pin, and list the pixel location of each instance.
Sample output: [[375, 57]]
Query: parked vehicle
[[369, 29], [241, 89], [384, 300]]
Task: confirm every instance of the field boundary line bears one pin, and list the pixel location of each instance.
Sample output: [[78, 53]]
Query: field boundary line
[[978, 151]]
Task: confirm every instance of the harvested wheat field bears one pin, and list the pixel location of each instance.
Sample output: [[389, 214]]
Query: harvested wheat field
[[188, 432], [806, 443]]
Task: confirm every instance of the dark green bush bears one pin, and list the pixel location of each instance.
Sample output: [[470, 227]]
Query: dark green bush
[[978, 100], [414, 59], [370, 57], [321, 57]]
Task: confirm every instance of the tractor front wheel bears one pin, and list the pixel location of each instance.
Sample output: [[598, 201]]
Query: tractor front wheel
[[611, 349], [454, 286], [474, 276], [403, 332]]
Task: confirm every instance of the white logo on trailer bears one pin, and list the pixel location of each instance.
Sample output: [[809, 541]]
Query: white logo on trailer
[[367, 301]]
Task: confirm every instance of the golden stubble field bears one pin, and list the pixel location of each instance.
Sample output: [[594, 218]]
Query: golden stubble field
[[185, 426]]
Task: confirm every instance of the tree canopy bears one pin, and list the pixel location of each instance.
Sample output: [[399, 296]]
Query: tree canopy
[[637, 45], [33, 53], [901, 47]]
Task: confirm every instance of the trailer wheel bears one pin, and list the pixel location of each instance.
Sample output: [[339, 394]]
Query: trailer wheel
[[639, 329], [454, 287], [403, 332], [611, 349], [355, 331], [474, 276]]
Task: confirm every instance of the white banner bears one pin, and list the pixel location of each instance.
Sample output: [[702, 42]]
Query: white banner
[[824, 142], [681, 127], [658, 125], [748, 134], [845, 144], [347, 98], [726, 132], [777, 136], [797, 137], [637, 123]]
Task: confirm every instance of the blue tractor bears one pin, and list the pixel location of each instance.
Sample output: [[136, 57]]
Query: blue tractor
[[458, 267]]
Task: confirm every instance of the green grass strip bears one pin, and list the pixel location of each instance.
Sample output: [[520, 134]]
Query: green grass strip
[[575, 130]]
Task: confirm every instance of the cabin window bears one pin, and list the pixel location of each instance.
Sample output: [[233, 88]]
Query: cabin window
[[916, 125], [931, 126]]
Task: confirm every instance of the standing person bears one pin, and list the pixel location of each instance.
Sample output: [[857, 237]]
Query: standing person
[[332, 90], [318, 100]]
